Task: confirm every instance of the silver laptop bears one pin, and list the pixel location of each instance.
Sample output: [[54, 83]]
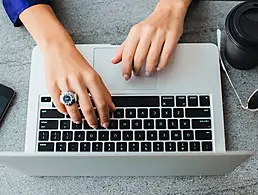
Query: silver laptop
[[167, 124]]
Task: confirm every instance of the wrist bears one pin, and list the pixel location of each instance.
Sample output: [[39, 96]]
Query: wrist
[[179, 6]]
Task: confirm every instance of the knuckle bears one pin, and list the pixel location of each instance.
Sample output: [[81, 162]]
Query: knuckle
[[88, 111], [135, 29], [102, 104], [128, 57], [92, 78]]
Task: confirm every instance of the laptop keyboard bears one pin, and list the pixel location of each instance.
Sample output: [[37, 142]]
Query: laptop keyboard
[[153, 123]]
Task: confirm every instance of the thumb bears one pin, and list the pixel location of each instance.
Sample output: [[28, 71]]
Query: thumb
[[119, 53]]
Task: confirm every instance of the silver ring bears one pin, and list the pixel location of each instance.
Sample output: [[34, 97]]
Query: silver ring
[[68, 98]]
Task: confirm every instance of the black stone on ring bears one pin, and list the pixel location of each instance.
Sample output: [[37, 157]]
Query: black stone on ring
[[68, 98]]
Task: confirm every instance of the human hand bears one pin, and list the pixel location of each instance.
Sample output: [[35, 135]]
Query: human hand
[[153, 39], [67, 70]]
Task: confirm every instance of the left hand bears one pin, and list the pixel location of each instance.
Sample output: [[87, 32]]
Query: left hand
[[153, 39]]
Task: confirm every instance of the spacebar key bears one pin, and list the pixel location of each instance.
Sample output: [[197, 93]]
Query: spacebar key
[[46, 147], [136, 101]]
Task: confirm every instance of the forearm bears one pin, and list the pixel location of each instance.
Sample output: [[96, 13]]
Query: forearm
[[44, 27]]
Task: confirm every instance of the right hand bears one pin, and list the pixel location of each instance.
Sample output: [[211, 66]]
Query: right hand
[[67, 70]]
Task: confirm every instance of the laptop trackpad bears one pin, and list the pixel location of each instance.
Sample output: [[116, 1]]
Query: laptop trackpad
[[112, 75]]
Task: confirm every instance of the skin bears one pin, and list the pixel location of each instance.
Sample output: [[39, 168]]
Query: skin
[[153, 40]]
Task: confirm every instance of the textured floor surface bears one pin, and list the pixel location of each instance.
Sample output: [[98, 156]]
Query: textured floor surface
[[101, 21]]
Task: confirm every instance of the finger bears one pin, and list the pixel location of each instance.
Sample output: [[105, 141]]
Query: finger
[[154, 54], [118, 56], [141, 54], [55, 93], [111, 105], [86, 106], [95, 87], [72, 110], [128, 53], [168, 48]]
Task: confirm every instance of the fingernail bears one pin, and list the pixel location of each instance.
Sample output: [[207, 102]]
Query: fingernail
[[158, 69], [113, 104], [126, 77], [65, 113], [77, 122], [148, 74], [113, 58], [136, 73], [93, 126], [105, 125]]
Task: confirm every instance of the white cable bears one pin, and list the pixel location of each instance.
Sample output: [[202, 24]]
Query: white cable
[[224, 68]]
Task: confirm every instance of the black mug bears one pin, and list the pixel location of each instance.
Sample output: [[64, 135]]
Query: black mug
[[241, 49]]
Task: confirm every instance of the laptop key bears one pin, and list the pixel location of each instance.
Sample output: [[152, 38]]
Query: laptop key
[[76, 126], [115, 135], [170, 146], [79, 135], [136, 101], [172, 123], [206, 146], [184, 124], [139, 135], [109, 147], [48, 124], [133, 146], [167, 101], [119, 113], [86, 125], [73, 147], [143, 113], [192, 101], [203, 135], [64, 124], [154, 113], [67, 135], [50, 113], [166, 112], [103, 135], [55, 136], [97, 147], [85, 146], [176, 135], [182, 146], [178, 112], [160, 124], [146, 146], [45, 99], [188, 135], [130, 113], [180, 101], [91, 135], [151, 135], [121, 147], [204, 101], [148, 124], [197, 112], [46, 147], [43, 136], [124, 124], [127, 135], [195, 146], [201, 123], [113, 124], [163, 135], [60, 147], [158, 147], [136, 124]]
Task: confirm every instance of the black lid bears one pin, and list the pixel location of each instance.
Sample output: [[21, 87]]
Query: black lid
[[244, 24]]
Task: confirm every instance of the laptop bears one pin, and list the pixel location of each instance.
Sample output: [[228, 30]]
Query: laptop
[[168, 124]]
